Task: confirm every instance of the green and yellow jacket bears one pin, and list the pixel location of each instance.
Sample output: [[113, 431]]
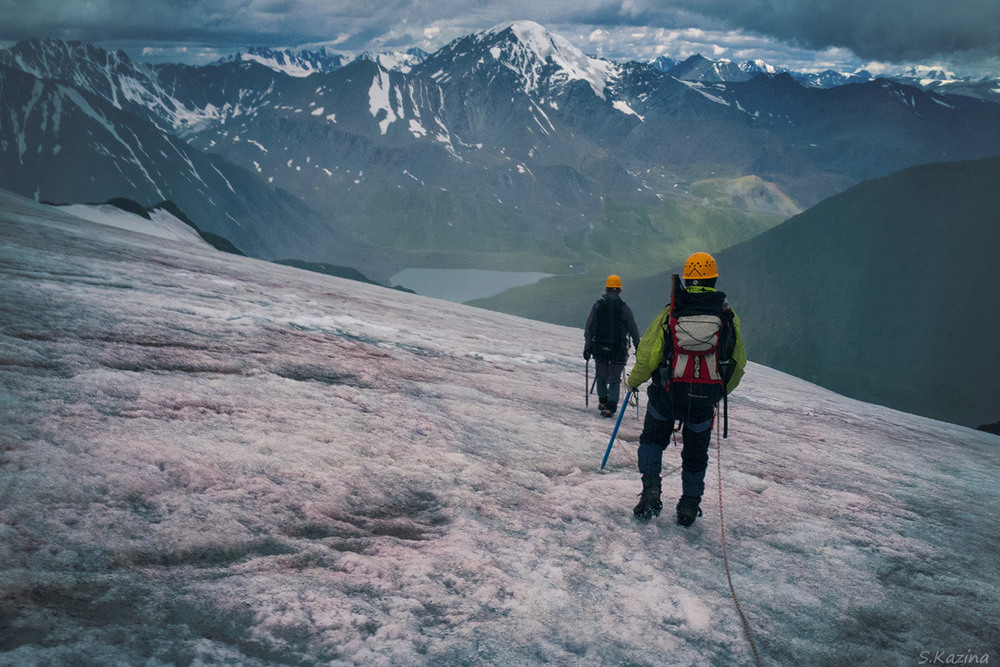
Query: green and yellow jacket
[[649, 353]]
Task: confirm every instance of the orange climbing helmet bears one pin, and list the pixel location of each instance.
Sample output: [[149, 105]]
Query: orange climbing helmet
[[613, 282], [700, 266]]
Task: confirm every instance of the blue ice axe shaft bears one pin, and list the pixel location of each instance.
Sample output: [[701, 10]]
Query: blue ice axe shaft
[[617, 424]]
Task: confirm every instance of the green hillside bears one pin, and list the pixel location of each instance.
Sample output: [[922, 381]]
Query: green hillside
[[638, 241], [887, 292]]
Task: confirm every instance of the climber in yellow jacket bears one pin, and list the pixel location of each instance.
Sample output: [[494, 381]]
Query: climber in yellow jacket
[[694, 354]]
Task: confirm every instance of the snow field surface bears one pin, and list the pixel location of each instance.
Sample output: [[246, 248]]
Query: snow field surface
[[209, 459]]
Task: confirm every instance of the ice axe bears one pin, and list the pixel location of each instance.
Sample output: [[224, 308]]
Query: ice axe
[[617, 424]]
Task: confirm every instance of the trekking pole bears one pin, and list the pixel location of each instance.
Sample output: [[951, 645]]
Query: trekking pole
[[586, 383], [615, 432]]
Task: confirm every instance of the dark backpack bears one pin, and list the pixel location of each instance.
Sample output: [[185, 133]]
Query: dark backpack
[[610, 342], [699, 337]]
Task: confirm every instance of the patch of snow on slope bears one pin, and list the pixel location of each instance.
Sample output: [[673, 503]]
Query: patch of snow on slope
[[161, 225], [378, 100], [626, 109], [290, 66], [700, 88]]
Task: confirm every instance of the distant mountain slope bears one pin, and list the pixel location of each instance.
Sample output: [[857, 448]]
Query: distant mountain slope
[[301, 63], [67, 145], [127, 85], [888, 292], [306, 62], [701, 69]]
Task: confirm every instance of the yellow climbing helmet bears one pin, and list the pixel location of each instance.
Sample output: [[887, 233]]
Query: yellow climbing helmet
[[700, 266], [613, 282]]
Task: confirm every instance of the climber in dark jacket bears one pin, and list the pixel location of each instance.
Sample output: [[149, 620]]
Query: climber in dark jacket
[[610, 325]]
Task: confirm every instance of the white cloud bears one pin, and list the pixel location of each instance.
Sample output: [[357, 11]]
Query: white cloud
[[599, 35]]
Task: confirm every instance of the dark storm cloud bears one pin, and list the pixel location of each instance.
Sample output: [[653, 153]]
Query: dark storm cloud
[[220, 21], [884, 30], [892, 30]]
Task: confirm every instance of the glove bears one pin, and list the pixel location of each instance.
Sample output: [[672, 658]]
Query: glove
[[586, 354]]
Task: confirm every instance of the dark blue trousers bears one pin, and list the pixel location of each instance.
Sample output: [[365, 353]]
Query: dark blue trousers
[[694, 405]]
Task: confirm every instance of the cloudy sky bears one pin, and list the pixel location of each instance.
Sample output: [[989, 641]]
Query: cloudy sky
[[963, 35]]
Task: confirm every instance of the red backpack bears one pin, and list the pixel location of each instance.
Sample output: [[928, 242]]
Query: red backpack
[[702, 337]]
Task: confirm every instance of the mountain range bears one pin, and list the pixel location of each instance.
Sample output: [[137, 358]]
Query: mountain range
[[304, 62], [506, 149]]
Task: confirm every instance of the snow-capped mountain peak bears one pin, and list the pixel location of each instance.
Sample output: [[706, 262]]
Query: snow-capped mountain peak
[[700, 68], [305, 62], [935, 73], [399, 61], [298, 63], [758, 66], [529, 46]]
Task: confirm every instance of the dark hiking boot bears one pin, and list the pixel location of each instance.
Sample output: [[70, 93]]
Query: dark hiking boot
[[688, 509], [609, 410], [649, 502]]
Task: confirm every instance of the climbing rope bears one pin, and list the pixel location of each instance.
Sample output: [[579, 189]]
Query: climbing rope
[[725, 558], [725, 549]]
